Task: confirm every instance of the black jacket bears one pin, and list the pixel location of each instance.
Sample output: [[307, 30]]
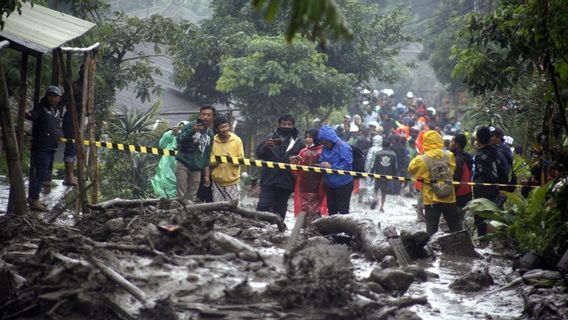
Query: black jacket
[[277, 177], [488, 168], [386, 163], [46, 129]]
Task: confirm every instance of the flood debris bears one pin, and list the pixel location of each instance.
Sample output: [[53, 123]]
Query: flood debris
[[170, 260]]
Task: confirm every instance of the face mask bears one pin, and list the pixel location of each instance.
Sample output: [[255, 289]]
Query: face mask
[[284, 131]]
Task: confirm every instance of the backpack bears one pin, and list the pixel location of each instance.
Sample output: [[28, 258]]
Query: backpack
[[440, 175], [358, 159]]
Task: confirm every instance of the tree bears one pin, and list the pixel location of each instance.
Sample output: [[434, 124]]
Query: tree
[[369, 53], [7, 7], [270, 77], [519, 40]]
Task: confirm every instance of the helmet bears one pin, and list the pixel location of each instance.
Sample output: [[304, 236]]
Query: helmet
[[410, 95]]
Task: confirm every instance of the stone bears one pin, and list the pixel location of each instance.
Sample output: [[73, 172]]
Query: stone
[[530, 261], [473, 281], [389, 262], [418, 272], [392, 280], [114, 225], [458, 244], [414, 243], [563, 263]]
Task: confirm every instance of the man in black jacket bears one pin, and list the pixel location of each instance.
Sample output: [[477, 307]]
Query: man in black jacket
[[487, 168], [45, 138], [386, 163], [276, 184]]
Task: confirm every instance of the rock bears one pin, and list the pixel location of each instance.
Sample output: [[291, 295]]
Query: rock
[[473, 281], [279, 238], [563, 263], [114, 225], [530, 261], [414, 243], [543, 278], [406, 315], [417, 271], [392, 280], [150, 230], [375, 287], [389, 262], [458, 244]]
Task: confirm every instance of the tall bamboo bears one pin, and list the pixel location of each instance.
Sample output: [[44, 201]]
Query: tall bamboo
[[91, 127]]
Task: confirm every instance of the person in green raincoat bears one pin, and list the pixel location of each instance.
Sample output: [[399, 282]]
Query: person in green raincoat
[[164, 182]]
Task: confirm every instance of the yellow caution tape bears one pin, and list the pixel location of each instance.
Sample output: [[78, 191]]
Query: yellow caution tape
[[280, 165]]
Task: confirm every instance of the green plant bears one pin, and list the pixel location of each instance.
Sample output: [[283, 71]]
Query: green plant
[[538, 223]]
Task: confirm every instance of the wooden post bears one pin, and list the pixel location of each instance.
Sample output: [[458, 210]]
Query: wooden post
[[37, 80], [17, 200], [67, 76], [91, 126], [22, 103]]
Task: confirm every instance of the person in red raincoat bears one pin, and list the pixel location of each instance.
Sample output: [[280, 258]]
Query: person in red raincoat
[[309, 192]]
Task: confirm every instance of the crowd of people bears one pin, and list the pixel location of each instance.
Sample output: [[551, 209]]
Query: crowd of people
[[404, 139]]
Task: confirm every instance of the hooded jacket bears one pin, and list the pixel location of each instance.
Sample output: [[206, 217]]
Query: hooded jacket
[[290, 146], [372, 154], [433, 147], [340, 156]]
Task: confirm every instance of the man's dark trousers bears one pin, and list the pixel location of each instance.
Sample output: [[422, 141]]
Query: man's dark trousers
[[433, 213], [338, 199], [42, 162], [274, 199]]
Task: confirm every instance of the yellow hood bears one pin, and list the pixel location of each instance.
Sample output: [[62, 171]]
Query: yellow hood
[[432, 140]]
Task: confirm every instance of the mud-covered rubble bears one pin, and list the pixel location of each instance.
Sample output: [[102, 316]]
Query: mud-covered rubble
[[170, 260]]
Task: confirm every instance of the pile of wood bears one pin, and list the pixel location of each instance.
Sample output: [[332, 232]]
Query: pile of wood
[[156, 259]]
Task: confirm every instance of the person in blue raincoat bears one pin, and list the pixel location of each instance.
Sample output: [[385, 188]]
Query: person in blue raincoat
[[336, 154], [164, 182]]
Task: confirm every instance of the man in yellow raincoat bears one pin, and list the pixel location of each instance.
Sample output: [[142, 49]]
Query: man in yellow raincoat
[[436, 203]]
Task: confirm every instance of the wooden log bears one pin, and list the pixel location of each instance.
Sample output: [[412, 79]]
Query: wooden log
[[117, 202], [228, 243], [92, 127], [373, 243], [123, 283], [17, 187]]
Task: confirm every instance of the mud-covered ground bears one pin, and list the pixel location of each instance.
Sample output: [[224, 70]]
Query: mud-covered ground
[[169, 261]]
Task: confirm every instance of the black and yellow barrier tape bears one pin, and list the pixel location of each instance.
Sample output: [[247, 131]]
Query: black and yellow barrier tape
[[281, 165]]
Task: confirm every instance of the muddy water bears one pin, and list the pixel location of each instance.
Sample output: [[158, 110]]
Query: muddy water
[[444, 303], [49, 195]]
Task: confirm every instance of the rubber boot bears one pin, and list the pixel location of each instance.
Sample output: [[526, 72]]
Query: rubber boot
[[70, 179]]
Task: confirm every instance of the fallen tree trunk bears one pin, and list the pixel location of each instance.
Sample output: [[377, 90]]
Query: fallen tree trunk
[[373, 243]]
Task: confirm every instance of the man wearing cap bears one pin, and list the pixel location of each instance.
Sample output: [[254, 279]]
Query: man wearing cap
[[45, 138], [225, 176]]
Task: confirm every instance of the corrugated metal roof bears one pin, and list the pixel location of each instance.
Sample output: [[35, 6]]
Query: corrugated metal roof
[[41, 29]]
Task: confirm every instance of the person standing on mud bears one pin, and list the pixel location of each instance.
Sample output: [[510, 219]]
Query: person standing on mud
[[45, 139], [225, 176], [385, 164], [463, 172], [438, 198], [487, 168], [276, 185], [309, 192], [336, 154], [194, 144]]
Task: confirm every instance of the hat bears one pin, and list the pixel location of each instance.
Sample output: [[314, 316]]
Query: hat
[[409, 94], [497, 132], [347, 116], [219, 121], [55, 90]]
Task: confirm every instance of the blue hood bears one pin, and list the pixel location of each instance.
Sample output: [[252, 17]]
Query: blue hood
[[328, 134]]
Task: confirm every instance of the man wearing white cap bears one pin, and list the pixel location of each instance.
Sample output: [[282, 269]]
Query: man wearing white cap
[[370, 115]]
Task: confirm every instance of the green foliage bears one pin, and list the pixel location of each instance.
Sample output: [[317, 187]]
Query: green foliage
[[313, 19], [9, 6], [272, 77], [539, 223], [520, 40], [127, 175]]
